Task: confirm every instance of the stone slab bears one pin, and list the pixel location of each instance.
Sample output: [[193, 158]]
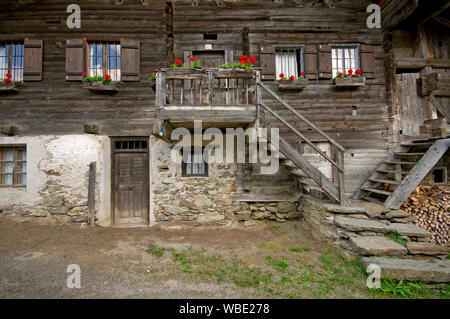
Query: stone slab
[[398, 213], [373, 210], [355, 224], [410, 230], [377, 246], [408, 269], [344, 209], [422, 248]]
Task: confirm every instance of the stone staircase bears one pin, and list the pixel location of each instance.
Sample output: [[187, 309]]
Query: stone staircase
[[399, 174]]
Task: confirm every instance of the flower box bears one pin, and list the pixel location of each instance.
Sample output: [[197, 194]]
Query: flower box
[[8, 87], [100, 86], [350, 81], [297, 84]]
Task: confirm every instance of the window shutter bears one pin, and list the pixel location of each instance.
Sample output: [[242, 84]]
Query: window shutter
[[267, 57], [310, 55], [130, 60], [325, 69], [367, 61], [32, 64], [74, 59]]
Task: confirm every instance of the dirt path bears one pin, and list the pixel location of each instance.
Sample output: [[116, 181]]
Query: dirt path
[[115, 262]]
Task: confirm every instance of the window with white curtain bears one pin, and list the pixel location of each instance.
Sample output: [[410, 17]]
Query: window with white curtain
[[288, 62], [13, 166], [344, 58], [11, 60], [193, 163]]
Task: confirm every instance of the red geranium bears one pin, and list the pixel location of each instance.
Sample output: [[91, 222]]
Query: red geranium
[[8, 75], [281, 75], [243, 57], [358, 71], [303, 73], [242, 62], [192, 59], [350, 71], [178, 61], [151, 73], [251, 59], [7, 80], [107, 77], [292, 77]]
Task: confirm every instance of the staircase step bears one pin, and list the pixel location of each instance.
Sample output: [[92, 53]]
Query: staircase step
[[377, 191], [356, 224], [399, 162], [263, 197], [416, 144], [377, 246], [410, 230], [392, 172], [408, 154], [408, 269], [298, 172], [385, 181]]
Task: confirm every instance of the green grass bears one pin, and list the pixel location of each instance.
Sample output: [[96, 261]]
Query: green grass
[[448, 256], [391, 288], [152, 249], [269, 245], [299, 250], [396, 237]]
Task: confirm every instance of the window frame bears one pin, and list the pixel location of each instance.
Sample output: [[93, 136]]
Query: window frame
[[16, 169], [184, 165], [355, 46], [300, 56], [104, 44], [11, 43]]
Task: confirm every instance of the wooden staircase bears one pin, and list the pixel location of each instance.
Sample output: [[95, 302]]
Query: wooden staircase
[[399, 174], [308, 177]]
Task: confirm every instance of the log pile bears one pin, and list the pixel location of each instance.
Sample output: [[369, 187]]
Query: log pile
[[430, 205]]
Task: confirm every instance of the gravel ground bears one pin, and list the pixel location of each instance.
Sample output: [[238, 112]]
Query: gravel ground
[[114, 263]]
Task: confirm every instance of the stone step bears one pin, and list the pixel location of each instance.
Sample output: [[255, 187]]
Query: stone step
[[263, 197], [333, 208], [410, 230], [376, 246], [356, 224], [408, 269], [424, 248]]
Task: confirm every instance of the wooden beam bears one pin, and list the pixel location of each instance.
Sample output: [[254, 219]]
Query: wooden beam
[[397, 11], [419, 63], [442, 21], [91, 194]]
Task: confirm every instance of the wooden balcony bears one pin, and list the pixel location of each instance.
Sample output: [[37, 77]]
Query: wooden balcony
[[223, 97]]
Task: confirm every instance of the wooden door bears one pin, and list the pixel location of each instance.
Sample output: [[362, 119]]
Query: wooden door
[[411, 108], [131, 187]]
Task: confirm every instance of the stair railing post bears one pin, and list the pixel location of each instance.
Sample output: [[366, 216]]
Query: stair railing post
[[340, 162], [258, 94], [160, 89]]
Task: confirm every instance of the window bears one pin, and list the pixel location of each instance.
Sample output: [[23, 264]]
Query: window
[[104, 58], [344, 58], [11, 60], [13, 166], [193, 163], [288, 62]]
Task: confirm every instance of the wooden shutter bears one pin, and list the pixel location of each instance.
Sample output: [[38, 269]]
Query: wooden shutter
[[130, 60], [310, 55], [267, 57], [325, 70], [75, 59], [367, 61], [32, 60]]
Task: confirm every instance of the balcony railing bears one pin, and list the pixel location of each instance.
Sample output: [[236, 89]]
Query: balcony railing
[[206, 87]]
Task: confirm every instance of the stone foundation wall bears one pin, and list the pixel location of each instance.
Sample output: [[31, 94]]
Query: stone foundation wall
[[57, 178]]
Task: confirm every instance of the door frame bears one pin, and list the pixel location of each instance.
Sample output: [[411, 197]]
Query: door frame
[[113, 140]]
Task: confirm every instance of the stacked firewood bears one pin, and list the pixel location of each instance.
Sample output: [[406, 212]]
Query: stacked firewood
[[430, 205]]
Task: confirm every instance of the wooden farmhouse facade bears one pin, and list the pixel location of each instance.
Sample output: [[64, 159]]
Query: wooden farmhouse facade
[[71, 149]]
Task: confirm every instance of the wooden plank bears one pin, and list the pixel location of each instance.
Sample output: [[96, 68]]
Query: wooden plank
[[418, 173], [91, 194], [418, 63], [397, 11]]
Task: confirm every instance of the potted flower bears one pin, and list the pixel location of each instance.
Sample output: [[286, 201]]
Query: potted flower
[[194, 63], [245, 63], [292, 83], [350, 78], [6, 84], [98, 82]]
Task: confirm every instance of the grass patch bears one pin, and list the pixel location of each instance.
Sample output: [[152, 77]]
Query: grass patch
[[269, 245], [396, 237], [299, 250], [391, 288], [152, 249]]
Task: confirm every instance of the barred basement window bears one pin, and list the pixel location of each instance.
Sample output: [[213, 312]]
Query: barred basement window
[[193, 163], [344, 57], [11, 60], [288, 61], [104, 58], [13, 166]]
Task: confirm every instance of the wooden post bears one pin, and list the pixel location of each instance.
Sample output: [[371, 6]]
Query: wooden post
[[160, 89], [91, 194], [340, 173], [258, 94]]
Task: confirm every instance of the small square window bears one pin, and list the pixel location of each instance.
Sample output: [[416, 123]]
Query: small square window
[[344, 58], [288, 62], [193, 163], [104, 58], [11, 60], [13, 166]]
